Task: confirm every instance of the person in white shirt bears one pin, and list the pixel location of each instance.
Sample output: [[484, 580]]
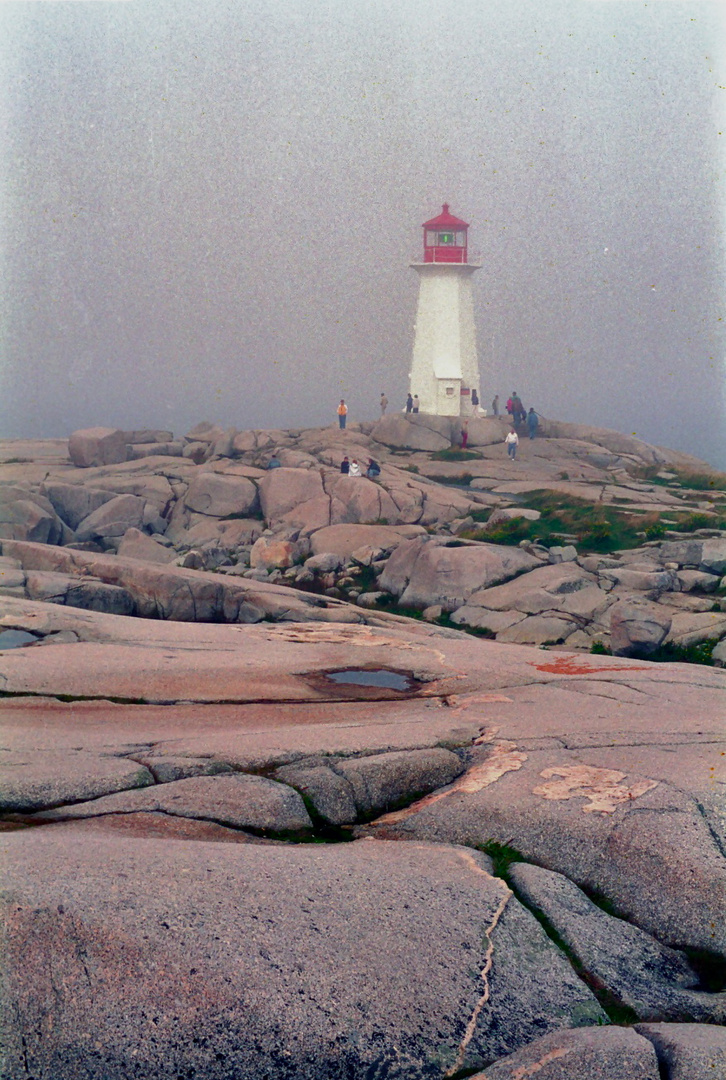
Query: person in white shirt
[[512, 441], [354, 468]]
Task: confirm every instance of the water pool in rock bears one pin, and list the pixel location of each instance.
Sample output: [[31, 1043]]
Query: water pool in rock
[[392, 680]]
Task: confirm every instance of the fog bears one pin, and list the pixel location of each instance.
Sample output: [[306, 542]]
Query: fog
[[208, 210]]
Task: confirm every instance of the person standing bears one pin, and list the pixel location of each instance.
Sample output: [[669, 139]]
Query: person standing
[[415, 402], [475, 402], [464, 434], [495, 405], [532, 423], [512, 441], [342, 414], [518, 410], [409, 403], [384, 404]]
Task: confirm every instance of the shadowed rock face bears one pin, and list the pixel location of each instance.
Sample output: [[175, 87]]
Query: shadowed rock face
[[163, 917]]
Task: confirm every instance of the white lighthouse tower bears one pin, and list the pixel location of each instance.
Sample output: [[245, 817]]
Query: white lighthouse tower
[[445, 369]]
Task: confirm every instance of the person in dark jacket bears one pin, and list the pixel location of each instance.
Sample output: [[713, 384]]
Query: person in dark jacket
[[374, 469], [409, 403], [345, 466]]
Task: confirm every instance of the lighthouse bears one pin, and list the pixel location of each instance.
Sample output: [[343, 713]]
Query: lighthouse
[[445, 369]]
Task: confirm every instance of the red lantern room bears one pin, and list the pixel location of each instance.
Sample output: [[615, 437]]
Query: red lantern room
[[445, 238]]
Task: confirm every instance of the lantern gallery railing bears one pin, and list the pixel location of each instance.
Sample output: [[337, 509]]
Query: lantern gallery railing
[[449, 256]]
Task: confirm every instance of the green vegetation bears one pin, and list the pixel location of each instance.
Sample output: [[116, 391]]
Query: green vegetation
[[695, 481], [462, 480], [595, 527], [453, 454], [670, 653]]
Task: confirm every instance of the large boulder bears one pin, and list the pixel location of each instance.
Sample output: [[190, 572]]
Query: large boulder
[[343, 540], [74, 502], [357, 499], [288, 494], [221, 496], [637, 627], [97, 446], [137, 545], [655, 981], [113, 518], [599, 1053], [420, 432], [434, 570], [25, 515], [218, 960], [688, 1051]]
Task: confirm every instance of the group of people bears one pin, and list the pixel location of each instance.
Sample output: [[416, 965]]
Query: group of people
[[352, 468]]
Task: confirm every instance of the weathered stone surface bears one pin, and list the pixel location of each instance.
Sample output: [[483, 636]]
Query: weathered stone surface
[[688, 1051], [510, 513], [414, 433], [713, 556], [600, 1053], [655, 981], [697, 579], [144, 436], [542, 589], [343, 540], [269, 552], [97, 446], [285, 493], [331, 794], [43, 779], [539, 630], [138, 545], [638, 580], [113, 518], [221, 496], [432, 570], [240, 800], [688, 628], [384, 780], [244, 936], [74, 502], [637, 627], [25, 515], [344, 789], [356, 499], [484, 619]]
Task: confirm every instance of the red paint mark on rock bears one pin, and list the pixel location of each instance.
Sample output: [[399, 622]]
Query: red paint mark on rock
[[572, 665]]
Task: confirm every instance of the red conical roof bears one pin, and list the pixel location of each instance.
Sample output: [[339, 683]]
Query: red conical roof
[[446, 220]]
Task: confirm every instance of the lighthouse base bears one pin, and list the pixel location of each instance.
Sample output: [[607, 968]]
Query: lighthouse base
[[445, 367]]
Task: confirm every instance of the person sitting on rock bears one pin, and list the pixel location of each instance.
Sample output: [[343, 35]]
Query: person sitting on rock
[[354, 469], [374, 469], [274, 462], [345, 466]]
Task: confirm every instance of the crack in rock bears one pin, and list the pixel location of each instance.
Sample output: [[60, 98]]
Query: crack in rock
[[488, 960]]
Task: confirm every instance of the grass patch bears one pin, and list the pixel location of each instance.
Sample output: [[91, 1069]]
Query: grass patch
[[670, 653], [597, 528], [696, 481], [455, 455], [463, 480]]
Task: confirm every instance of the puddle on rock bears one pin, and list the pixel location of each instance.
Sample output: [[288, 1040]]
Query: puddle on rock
[[391, 680], [16, 639]]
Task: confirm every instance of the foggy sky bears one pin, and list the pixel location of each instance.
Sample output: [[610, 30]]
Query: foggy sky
[[208, 209]]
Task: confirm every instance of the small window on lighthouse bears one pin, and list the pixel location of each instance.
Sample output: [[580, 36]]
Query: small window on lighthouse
[[449, 391], [446, 238], [460, 239]]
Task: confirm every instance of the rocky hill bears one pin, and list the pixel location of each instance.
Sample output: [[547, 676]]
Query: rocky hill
[[277, 803]]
